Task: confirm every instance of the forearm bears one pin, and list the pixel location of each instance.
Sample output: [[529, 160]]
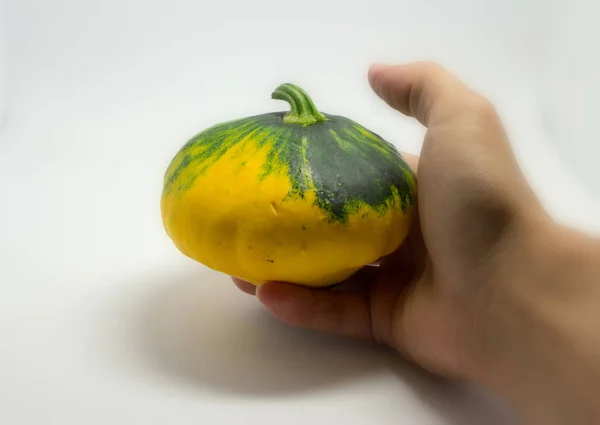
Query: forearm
[[543, 337]]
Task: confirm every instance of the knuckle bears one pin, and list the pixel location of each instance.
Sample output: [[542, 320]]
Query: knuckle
[[480, 105], [430, 67], [431, 71]]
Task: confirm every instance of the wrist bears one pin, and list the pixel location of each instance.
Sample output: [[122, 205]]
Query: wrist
[[540, 340]]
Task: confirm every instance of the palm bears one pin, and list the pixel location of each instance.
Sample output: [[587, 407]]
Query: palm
[[426, 323], [412, 310]]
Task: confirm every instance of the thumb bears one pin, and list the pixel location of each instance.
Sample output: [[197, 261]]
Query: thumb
[[423, 90]]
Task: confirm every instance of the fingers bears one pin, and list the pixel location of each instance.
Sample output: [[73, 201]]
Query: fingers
[[343, 313], [422, 90], [244, 286]]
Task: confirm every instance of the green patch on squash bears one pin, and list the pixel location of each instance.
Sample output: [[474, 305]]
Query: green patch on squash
[[346, 165]]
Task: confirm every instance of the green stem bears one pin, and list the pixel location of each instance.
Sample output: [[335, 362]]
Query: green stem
[[303, 110]]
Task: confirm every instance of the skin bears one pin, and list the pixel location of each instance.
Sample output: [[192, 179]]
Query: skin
[[487, 288], [300, 196]]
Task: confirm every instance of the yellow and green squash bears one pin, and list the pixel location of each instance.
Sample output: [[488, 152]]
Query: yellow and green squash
[[302, 197]]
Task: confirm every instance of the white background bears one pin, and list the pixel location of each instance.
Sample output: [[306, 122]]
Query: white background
[[103, 321]]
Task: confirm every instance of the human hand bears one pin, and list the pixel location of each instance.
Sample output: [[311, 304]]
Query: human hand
[[429, 300], [487, 287]]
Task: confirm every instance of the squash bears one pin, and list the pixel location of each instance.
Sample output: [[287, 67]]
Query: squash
[[302, 197]]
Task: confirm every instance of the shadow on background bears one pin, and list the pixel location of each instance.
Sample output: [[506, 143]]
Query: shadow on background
[[197, 328], [201, 329]]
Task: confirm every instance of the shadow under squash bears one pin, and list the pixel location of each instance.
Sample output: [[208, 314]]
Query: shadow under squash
[[199, 328]]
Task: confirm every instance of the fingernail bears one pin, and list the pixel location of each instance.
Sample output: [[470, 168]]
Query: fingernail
[[260, 290]]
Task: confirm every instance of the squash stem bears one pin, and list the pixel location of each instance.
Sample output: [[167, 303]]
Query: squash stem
[[302, 108]]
